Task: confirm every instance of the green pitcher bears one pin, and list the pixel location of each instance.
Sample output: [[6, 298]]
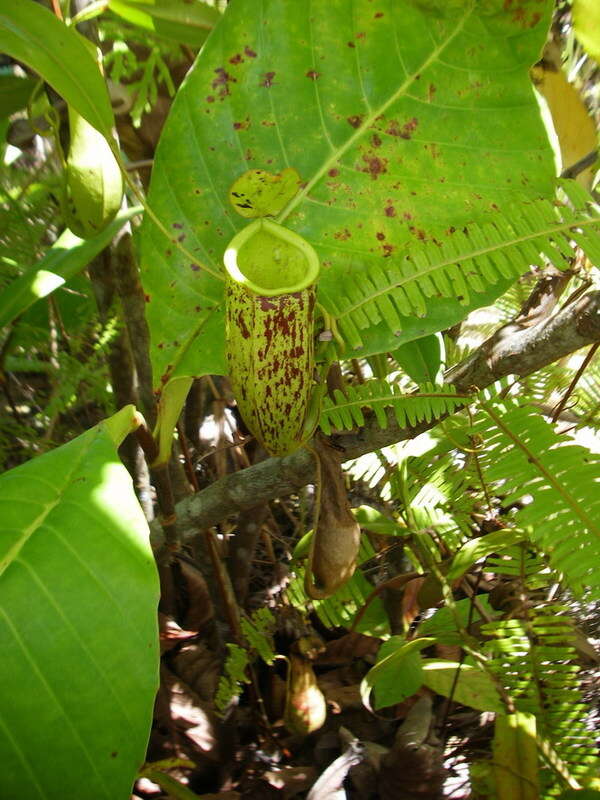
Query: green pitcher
[[270, 299]]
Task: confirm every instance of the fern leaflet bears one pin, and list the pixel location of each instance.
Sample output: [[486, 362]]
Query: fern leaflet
[[233, 678], [258, 631], [428, 404]]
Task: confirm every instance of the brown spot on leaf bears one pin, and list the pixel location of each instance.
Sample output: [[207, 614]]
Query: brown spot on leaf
[[222, 80], [355, 120], [267, 81], [379, 14], [376, 140], [147, 298], [350, 44], [342, 235], [380, 235], [313, 74], [418, 232], [388, 249], [375, 166], [178, 225], [236, 59], [407, 129], [393, 129], [431, 92], [407, 215], [249, 52], [333, 172], [520, 16], [195, 267], [243, 125], [390, 211]]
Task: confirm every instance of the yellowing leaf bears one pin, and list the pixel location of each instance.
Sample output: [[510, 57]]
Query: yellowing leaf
[[575, 129], [515, 757]]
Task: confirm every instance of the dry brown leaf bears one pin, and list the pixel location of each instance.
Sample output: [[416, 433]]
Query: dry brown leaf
[[291, 780], [198, 608], [347, 648], [193, 717], [199, 668], [342, 697], [170, 633]]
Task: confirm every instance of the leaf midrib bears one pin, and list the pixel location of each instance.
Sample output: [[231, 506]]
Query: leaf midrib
[[370, 119]]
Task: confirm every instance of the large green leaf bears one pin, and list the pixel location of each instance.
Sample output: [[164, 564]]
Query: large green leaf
[[404, 120], [33, 35], [67, 256], [78, 635]]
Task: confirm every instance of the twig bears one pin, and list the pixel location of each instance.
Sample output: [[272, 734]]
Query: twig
[[133, 301], [187, 461], [580, 166], [560, 406]]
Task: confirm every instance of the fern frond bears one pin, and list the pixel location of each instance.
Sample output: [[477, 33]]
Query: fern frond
[[346, 412], [535, 659], [525, 456], [465, 263], [233, 678], [258, 631]]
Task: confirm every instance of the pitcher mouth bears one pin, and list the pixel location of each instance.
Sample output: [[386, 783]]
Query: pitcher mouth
[[271, 260]]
